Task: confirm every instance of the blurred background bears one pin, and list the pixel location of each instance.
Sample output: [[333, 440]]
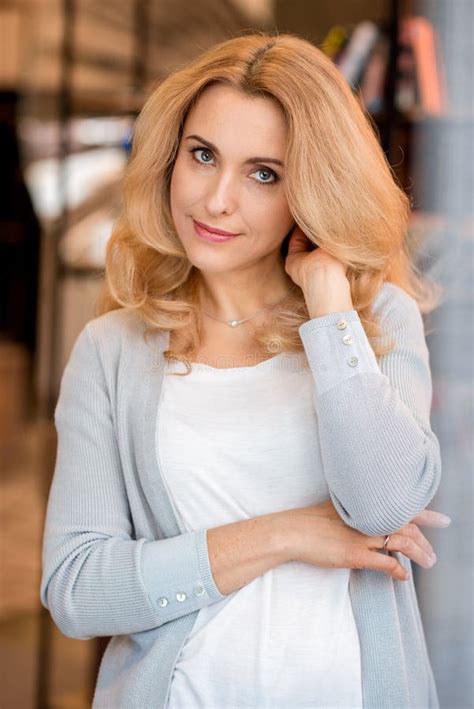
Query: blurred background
[[73, 77]]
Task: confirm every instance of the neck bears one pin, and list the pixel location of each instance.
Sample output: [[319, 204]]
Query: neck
[[235, 299]]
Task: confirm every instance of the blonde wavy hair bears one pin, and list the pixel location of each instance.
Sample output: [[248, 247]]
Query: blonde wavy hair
[[340, 190]]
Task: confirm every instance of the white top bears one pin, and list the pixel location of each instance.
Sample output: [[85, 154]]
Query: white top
[[234, 444]]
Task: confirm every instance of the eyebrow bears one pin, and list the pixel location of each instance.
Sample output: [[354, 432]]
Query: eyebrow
[[250, 161]]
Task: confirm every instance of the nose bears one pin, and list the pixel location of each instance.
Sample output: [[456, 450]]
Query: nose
[[222, 196]]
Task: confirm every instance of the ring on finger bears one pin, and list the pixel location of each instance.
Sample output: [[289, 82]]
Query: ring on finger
[[387, 537]]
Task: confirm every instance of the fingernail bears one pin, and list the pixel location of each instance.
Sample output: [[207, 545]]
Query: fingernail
[[444, 520]]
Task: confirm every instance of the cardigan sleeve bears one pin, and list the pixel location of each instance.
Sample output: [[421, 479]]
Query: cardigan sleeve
[[94, 580], [380, 456]]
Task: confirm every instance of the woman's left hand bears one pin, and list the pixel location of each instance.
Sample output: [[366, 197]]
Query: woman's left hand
[[321, 277]]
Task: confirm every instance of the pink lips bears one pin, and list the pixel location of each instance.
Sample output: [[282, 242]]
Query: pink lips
[[209, 234]]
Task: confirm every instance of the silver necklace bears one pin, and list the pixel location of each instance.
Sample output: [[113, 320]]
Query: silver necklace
[[234, 323]]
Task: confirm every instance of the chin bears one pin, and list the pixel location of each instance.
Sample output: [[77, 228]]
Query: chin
[[211, 265]]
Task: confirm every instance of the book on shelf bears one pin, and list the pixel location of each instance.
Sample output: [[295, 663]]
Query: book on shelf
[[353, 60], [373, 81], [335, 41], [419, 34]]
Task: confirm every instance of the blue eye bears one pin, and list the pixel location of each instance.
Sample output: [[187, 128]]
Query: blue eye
[[201, 150], [270, 173]]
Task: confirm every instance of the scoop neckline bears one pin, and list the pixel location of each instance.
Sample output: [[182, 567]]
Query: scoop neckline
[[202, 365], [252, 368]]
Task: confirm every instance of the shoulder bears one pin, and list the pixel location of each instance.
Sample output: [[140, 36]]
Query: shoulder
[[115, 333], [115, 325]]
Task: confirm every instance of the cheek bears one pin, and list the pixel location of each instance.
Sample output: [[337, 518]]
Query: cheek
[[269, 215], [184, 189]]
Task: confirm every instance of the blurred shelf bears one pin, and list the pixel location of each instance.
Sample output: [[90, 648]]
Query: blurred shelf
[[80, 272], [93, 104], [46, 105]]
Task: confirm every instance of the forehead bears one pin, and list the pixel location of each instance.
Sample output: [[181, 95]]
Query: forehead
[[226, 117]]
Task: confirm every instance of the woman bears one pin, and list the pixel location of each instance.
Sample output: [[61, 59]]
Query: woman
[[244, 526]]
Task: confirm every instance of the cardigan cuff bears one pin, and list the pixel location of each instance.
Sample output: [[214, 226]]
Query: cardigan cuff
[[337, 349], [178, 576]]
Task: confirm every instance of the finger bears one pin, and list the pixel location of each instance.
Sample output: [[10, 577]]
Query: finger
[[430, 518], [383, 562], [411, 530], [410, 548]]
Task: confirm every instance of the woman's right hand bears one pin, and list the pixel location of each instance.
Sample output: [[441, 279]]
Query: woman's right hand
[[317, 535]]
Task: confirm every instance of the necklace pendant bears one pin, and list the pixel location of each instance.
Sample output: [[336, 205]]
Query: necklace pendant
[[233, 323]]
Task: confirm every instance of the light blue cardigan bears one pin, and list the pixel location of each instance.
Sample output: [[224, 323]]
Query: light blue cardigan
[[116, 563]]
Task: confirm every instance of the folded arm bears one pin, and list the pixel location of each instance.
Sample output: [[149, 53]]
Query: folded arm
[[381, 458]]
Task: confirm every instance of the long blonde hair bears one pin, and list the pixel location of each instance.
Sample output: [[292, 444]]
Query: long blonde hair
[[340, 189]]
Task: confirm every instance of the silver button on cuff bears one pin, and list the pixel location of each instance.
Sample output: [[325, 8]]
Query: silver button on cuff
[[162, 601], [181, 596], [353, 361], [347, 339], [341, 324], [198, 590]]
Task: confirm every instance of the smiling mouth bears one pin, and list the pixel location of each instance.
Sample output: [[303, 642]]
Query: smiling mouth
[[207, 235], [214, 230]]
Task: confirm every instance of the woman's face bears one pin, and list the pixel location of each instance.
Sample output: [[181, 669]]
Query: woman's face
[[229, 175]]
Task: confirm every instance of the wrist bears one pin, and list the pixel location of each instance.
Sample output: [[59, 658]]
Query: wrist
[[328, 297], [318, 309], [282, 535]]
